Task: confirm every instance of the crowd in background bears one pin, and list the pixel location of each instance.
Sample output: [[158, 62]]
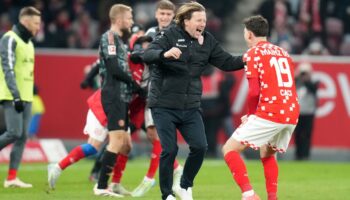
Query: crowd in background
[[78, 23], [316, 27]]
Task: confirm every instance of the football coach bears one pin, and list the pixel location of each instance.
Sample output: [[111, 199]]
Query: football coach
[[181, 53]]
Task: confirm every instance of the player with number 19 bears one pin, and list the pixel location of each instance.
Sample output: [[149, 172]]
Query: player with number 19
[[273, 109]]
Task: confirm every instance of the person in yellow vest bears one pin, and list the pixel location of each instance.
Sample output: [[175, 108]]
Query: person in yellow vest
[[16, 87]]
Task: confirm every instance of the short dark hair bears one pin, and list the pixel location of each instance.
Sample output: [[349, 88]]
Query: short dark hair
[[186, 11], [257, 24], [165, 5], [29, 11]]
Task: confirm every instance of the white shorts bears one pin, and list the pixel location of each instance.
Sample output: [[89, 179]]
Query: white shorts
[[148, 118], [94, 129], [257, 132]]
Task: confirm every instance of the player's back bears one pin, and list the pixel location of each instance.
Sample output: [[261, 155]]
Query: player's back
[[275, 70]]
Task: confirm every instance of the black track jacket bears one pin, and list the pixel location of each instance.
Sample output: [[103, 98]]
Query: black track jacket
[[176, 84]]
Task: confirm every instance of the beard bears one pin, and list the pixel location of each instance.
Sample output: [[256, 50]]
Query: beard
[[126, 34]]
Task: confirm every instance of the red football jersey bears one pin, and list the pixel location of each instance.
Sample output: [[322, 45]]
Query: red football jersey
[[278, 101], [95, 105], [136, 106]]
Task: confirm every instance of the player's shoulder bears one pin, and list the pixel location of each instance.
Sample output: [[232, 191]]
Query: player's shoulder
[[168, 32], [109, 43], [250, 54], [273, 50], [152, 31], [6, 38]]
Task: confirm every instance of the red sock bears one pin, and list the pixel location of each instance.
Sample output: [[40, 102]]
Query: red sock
[[176, 164], [239, 170], [12, 174], [119, 168], [271, 176], [154, 163], [74, 156]]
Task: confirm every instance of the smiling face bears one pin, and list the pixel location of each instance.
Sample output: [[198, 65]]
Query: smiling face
[[196, 25], [164, 17]]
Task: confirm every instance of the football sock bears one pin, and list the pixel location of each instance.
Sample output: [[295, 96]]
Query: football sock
[[12, 174], [248, 193], [108, 161], [271, 176], [119, 168], [154, 162], [238, 170], [76, 154]]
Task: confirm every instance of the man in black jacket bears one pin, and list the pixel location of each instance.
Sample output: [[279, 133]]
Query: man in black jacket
[[181, 53]]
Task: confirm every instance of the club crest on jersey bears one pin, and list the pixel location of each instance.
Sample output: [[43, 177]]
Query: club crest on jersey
[[112, 50]]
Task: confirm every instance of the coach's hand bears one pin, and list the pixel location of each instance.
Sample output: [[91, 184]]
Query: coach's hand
[[173, 53], [18, 104]]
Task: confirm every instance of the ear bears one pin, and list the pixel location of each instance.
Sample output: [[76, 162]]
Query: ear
[[250, 35], [186, 21]]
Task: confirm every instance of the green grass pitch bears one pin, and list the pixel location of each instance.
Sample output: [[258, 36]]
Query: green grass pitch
[[297, 180]]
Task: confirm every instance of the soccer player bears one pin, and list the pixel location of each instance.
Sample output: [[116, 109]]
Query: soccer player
[[95, 127], [16, 87], [165, 12], [116, 91], [273, 109], [182, 52]]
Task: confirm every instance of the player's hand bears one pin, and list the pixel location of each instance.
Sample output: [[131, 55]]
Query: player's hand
[[136, 57], [142, 93], [173, 53], [244, 119], [84, 84], [18, 104], [136, 89]]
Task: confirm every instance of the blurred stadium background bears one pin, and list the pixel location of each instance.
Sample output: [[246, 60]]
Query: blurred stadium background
[[314, 31]]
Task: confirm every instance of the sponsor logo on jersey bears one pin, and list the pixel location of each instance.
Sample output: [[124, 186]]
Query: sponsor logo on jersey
[[112, 50]]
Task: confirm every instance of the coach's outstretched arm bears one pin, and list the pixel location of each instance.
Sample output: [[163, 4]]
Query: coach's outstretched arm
[[223, 60], [154, 54]]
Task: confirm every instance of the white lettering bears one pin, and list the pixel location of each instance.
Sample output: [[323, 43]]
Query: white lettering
[[345, 89], [273, 52], [285, 92], [327, 92]]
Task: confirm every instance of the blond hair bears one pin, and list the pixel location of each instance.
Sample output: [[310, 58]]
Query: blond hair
[[29, 11], [118, 9], [186, 10]]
